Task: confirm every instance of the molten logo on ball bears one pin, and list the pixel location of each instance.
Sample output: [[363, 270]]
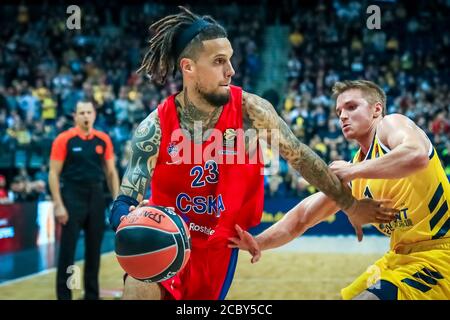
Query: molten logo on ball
[[152, 244]]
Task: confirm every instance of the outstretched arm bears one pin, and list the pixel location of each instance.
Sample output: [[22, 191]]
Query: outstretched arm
[[144, 154], [260, 114], [306, 214], [309, 212], [303, 216]]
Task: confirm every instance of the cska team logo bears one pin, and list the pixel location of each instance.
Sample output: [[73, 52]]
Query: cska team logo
[[172, 149]]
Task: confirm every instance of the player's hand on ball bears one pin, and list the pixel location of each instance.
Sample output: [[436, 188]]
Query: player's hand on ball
[[245, 241], [368, 210], [141, 204]]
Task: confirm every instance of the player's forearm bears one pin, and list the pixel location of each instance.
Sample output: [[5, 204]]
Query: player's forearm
[[137, 176], [398, 163], [53, 182], [282, 232], [303, 216], [317, 173], [144, 151], [262, 115], [135, 190]]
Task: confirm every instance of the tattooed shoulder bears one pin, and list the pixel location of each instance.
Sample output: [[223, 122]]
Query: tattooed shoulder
[[144, 154], [258, 113], [148, 134]]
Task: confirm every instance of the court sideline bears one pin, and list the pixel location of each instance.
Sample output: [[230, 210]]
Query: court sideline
[[308, 268]]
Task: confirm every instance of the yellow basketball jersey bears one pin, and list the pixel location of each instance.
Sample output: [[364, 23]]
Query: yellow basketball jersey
[[422, 198]]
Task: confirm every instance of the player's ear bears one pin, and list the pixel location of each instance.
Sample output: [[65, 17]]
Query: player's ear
[[186, 65], [378, 110]]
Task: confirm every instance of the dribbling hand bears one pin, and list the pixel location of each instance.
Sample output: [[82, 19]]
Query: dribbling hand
[[141, 204]]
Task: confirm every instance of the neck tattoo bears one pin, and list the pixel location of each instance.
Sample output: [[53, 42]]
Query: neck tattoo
[[194, 120]]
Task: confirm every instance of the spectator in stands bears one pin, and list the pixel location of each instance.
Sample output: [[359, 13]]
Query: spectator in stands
[[296, 39], [274, 182], [41, 182], [18, 190], [332, 137], [48, 108], [20, 134], [441, 124], [3, 191]]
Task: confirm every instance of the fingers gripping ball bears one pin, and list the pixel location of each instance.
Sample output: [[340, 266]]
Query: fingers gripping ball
[[152, 243]]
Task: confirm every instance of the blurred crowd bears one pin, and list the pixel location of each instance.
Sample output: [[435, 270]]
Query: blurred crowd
[[46, 68], [408, 57], [24, 188]]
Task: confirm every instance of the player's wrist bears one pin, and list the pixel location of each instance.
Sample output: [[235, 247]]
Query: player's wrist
[[356, 170], [259, 242], [351, 206], [262, 242], [345, 200], [120, 208]]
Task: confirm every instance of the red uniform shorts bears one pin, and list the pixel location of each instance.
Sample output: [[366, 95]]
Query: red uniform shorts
[[207, 275]]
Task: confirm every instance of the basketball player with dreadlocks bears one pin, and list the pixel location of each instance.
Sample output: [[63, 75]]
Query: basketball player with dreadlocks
[[211, 195]]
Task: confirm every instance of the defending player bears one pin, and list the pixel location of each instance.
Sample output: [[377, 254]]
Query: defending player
[[396, 161]]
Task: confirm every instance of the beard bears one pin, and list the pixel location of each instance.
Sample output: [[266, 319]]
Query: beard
[[213, 98]]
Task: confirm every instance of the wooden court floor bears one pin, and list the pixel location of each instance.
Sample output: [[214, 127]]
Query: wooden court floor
[[278, 275]]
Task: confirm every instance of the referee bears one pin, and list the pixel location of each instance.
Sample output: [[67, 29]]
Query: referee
[[80, 159]]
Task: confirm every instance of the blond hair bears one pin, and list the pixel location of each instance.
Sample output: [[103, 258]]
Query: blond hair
[[372, 92]]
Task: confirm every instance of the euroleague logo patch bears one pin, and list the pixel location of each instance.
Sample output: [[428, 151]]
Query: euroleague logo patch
[[229, 134], [229, 137], [99, 149]]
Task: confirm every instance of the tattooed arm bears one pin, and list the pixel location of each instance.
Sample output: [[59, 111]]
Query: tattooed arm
[[260, 114], [144, 153]]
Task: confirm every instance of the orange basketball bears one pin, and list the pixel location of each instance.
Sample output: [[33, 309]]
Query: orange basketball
[[152, 243]]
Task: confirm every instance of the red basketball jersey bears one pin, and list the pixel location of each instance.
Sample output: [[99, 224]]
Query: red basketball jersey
[[213, 186]]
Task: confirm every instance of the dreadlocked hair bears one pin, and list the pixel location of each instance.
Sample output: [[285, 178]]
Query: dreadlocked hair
[[160, 60]]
